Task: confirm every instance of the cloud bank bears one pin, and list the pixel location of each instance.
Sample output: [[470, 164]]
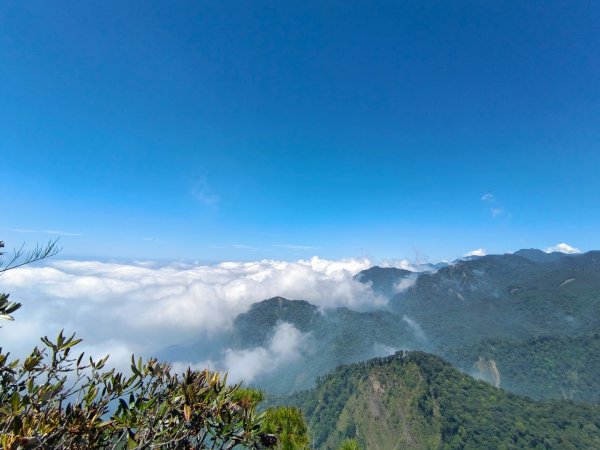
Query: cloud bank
[[142, 308], [285, 346]]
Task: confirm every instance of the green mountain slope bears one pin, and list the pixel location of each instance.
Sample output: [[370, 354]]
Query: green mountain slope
[[332, 337], [417, 401], [383, 280], [522, 321], [543, 368], [335, 336], [509, 296]]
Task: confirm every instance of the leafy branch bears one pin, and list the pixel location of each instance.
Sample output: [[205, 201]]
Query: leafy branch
[[55, 400]]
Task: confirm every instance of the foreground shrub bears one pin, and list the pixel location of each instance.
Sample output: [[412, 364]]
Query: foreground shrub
[[54, 400]]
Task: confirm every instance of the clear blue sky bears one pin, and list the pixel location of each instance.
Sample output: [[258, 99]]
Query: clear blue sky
[[243, 130]]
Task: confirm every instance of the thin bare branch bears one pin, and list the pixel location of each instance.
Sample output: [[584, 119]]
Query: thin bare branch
[[21, 257]]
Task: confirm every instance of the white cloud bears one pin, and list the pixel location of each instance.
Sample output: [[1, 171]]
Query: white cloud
[[145, 307], [285, 346], [405, 283], [243, 247], [416, 328], [55, 232], [563, 248], [476, 252], [381, 350], [496, 212], [204, 194], [63, 233], [295, 247]]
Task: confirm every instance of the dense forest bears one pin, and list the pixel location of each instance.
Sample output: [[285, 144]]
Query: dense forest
[[416, 400], [554, 367]]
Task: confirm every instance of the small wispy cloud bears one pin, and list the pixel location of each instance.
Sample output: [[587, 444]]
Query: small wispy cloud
[[405, 283], [243, 247], [496, 212], [204, 194], [415, 327], [476, 252], [54, 232], [62, 233], [563, 248], [296, 247], [236, 246]]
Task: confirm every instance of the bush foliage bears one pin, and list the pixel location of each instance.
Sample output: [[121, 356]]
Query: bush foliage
[[54, 400]]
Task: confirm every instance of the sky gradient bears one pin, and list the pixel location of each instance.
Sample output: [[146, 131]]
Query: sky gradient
[[247, 130]]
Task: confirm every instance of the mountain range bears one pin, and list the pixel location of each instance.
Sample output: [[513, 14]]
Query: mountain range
[[519, 338]]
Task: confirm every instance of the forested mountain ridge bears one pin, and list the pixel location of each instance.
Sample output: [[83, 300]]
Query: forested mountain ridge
[[416, 400], [331, 337], [527, 322], [506, 296], [383, 280], [551, 367]]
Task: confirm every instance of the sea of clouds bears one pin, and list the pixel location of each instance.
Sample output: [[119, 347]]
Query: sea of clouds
[[120, 309], [144, 307]]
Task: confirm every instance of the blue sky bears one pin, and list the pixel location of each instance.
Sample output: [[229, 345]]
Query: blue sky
[[249, 130]]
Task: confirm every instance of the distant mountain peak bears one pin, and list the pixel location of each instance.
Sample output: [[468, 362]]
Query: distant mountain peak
[[536, 255], [379, 271], [384, 280], [280, 302]]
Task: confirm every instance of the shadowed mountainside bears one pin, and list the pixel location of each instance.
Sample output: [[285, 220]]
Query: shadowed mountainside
[[506, 296]]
